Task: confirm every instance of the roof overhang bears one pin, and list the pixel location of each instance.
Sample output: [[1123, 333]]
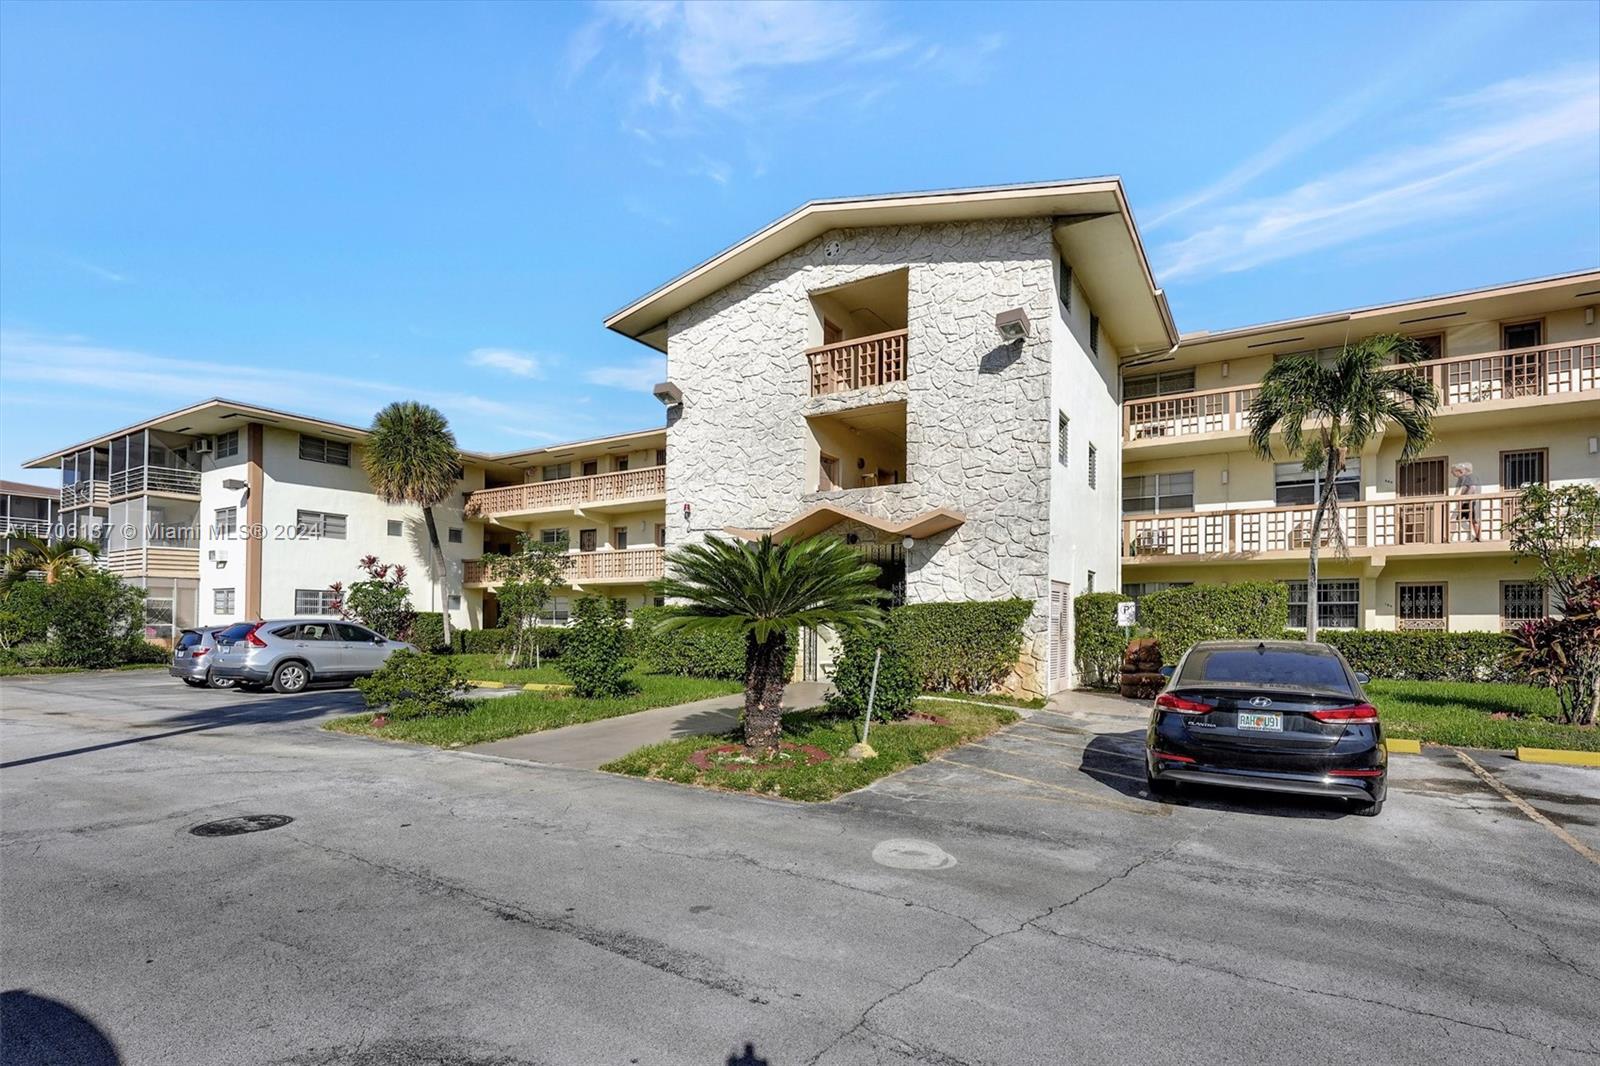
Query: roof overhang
[[825, 516], [1095, 229]]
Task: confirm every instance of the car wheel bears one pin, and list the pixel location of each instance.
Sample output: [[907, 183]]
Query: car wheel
[[222, 682], [194, 682], [1158, 787], [1369, 810], [290, 678]]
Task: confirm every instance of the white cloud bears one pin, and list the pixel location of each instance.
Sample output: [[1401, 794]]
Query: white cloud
[[95, 269], [640, 375], [522, 364], [1510, 139]]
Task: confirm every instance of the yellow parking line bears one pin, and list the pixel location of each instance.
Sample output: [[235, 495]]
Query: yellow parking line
[[1559, 757], [1091, 797], [1526, 808]]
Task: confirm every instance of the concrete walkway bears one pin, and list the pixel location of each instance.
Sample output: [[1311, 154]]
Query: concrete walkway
[[592, 744]]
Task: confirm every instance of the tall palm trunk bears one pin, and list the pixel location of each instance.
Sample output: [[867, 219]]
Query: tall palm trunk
[[1325, 501], [444, 573], [763, 695]]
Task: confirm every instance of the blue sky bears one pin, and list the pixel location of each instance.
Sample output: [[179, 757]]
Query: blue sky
[[324, 208]]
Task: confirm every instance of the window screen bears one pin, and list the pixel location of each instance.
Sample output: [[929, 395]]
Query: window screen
[[1142, 388], [1296, 486], [222, 601], [227, 445], [1147, 493], [320, 524], [227, 522], [322, 450], [313, 601], [1338, 604]]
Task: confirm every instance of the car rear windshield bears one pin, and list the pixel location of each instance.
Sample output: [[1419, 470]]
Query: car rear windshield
[[235, 632], [1317, 671], [189, 639]]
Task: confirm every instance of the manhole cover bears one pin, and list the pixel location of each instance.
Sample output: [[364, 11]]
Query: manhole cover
[[244, 823]]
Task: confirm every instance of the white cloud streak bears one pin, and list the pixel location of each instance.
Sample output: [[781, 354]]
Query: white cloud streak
[[1509, 139], [521, 364], [639, 375]]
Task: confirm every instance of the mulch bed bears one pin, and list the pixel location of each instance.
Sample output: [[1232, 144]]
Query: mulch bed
[[732, 757]]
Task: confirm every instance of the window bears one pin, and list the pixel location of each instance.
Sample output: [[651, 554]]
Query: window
[[1148, 385], [829, 471], [396, 528], [1431, 346], [587, 539], [308, 631], [590, 467], [661, 535], [355, 633], [1297, 486], [661, 457], [454, 601], [1521, 601], [322, 450], [227, 445], [1091, 466], [1420, 606], [227, 522], [1338, 604], [1326, 356], [453, 536], [158, 616], [313, 601], [557, 611], [552, 536], [1420, 477], [1066, 286], [622, 463], [1063, 444], [1140, 589], [1088, 582], [1523, 334], [658, 601], [222, 601], [619, 536], [320, 524], [1094, 334], [1147, 493], [557, 472], [1518, 470]]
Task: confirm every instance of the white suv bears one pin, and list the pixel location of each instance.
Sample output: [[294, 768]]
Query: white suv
[[291, 653]]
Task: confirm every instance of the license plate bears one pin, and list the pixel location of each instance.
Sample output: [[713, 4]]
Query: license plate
[[1260, 721]]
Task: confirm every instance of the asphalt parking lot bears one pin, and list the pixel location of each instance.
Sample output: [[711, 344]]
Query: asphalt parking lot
[[1020, 900]]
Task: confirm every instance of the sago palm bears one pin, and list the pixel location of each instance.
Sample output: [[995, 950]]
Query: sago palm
[[66, 557], [411, 457], [1326, 414], [763, 590]]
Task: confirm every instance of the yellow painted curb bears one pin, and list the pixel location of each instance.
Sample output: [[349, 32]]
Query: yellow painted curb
[[1561, 758], [486, 684], [546, 686], [1400, 746]]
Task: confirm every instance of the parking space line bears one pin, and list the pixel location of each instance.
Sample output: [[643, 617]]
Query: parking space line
[[1526, 808], [1091, 797]]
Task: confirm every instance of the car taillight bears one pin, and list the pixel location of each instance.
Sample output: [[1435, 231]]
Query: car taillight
[[1360, 714], [197, 652], [1355, 773], [253, 640], [1168, 702], [1162, 756]]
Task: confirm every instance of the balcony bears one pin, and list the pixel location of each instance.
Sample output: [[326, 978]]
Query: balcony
[[627, 566], [860, 363], [84, 494], [157, 480], [1430, 525], [152, 561], [24, 527], [598, 492], [1491, 381]]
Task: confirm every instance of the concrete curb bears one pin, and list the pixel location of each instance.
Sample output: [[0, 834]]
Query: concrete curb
[[1403, 746], [1558, 757]]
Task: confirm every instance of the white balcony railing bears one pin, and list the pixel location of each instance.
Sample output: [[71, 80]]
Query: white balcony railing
[[161, 480], [84, 493], [24, 527], [644, 483], [1367, 524]]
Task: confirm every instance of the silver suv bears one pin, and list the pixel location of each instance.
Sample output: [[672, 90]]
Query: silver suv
[[192, 657], [291, 653]]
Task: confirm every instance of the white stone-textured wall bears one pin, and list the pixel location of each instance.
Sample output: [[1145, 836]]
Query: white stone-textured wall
[[978, 413]]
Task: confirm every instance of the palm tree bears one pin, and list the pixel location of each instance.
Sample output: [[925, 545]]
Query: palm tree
[[411, 457], [64, 558], [764, 590], [1327, 413]]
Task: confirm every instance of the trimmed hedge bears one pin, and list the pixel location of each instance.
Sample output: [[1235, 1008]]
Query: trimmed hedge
[[852, 677], [1098, 641], [695, 653], [1426, 656], [427, 632], [1245, 610], [969, 646]]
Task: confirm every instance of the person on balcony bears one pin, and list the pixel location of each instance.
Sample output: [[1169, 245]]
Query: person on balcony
[[1467, 485]]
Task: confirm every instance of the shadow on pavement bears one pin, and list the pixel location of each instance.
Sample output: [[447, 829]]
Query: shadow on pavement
[[1110, 759], [705, 723], [37, 1031], [247, 709]]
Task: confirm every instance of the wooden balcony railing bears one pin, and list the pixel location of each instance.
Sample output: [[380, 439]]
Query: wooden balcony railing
[[157, 479], [84, 493], [643, 483], [859, 363], [1551, 370], [624, 566], [1367, 524]]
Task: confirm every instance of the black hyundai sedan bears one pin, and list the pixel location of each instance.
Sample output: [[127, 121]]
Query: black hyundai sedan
[[1276, 715]]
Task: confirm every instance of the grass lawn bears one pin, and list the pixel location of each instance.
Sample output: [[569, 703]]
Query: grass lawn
[[899, 745], [1459, 713], [8, 670], [488, 666], [499, 717]]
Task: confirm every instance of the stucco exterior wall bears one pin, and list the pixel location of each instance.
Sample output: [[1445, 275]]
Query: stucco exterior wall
[[978, 422]]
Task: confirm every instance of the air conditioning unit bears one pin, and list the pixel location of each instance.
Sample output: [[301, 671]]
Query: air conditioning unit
[[218, 556], [202, 446]]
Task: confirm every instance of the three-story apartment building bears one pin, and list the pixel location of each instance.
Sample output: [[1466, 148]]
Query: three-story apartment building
[[1518, 377], [932, 377], [26, 511]]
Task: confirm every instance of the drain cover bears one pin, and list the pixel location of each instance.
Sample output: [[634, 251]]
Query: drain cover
[[244, 823]]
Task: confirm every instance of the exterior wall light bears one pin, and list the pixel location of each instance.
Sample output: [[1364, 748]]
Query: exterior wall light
[[669, 394], [1013, 325], [908, 542]]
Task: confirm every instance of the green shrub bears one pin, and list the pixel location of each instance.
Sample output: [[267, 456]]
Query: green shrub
[[24, 613], [480, 641], [427, 632], [139, 650], [412, 685], [1427, 656], [94, 620], [1098, 641], [969, 646], [1245, 610], [686, 652], [852, 676], [32, 653], [595, 657]]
